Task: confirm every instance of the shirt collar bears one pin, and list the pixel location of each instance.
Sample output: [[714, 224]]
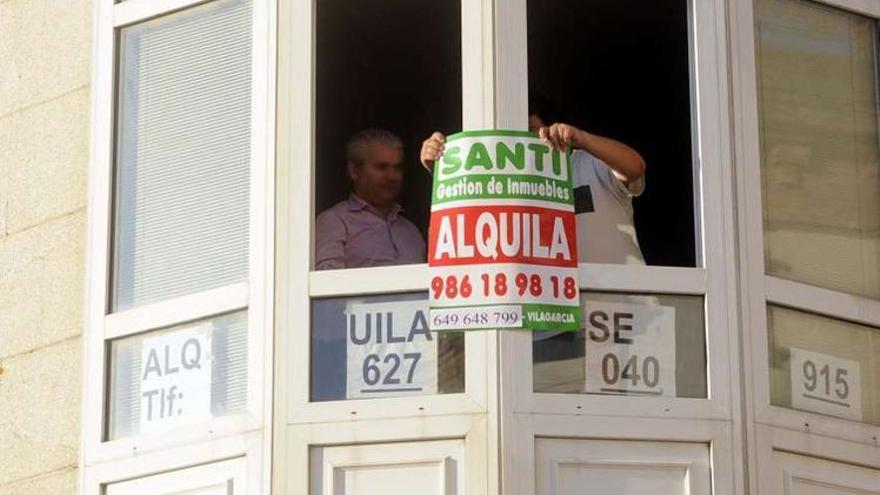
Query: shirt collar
[[356, 203]]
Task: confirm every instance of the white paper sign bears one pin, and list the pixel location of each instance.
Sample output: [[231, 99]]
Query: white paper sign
[[390, 350], [630, 349], [825, 384], [176, 378]]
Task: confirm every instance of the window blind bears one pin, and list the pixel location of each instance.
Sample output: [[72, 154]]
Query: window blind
[[819, 137], [183, 154]]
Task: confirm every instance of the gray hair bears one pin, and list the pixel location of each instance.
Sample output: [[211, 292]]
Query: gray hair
[[356, 147]]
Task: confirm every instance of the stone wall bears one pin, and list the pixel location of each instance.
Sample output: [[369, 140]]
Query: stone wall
[[45, 51]]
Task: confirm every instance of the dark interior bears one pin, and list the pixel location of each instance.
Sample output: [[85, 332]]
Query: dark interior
[[397, 64], [393, 64], [620, 68]]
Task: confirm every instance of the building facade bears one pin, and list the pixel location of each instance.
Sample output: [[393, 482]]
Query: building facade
[[44, 124], [164, 322]]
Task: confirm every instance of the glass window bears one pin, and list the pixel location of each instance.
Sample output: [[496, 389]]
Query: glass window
[[178, 376], [387, 346], [620, 69], [633, 344], [819, 138], [183, 154], [824, 365], [393, 66]]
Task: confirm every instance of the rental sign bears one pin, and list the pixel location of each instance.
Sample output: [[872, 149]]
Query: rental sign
[[502, 244]]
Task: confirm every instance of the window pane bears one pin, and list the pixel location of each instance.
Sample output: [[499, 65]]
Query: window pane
[[380, 346], [633, 344], [824, 365], [182, 375], [821, 187], [183, 154], [621, 69], [395, 66]]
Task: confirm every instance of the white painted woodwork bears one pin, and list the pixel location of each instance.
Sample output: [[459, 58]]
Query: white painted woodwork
[[801, 475], [426, 468], [221, 478], [572, 466]]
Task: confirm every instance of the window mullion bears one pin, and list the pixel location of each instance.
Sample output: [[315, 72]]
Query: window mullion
[[822, 301], [259, 293], [295, 211], [636, 278], [511, 65], [363, 281], [97, 262], [133, 11], [866, 7], [177, 310]]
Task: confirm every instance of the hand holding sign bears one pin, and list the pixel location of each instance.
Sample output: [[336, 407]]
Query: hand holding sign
[[432, 150], [560, 136]]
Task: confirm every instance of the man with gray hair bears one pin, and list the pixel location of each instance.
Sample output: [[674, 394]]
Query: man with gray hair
[[367, 229]]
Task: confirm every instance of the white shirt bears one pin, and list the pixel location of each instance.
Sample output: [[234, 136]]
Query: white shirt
[[604, 212]]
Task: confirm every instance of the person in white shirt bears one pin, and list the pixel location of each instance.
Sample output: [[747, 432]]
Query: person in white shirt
[[606, 175]]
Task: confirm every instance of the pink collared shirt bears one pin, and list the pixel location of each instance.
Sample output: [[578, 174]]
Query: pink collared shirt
[[353, 234]]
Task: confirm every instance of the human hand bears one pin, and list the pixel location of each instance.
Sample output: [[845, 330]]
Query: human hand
[[432, 150], [560, 136]]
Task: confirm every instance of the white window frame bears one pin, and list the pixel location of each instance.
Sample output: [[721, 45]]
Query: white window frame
[[772, 427], [244, 434], [299, 423], [450, 454], [771, 440], [236, 471], [715, 420], [692, 460]]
